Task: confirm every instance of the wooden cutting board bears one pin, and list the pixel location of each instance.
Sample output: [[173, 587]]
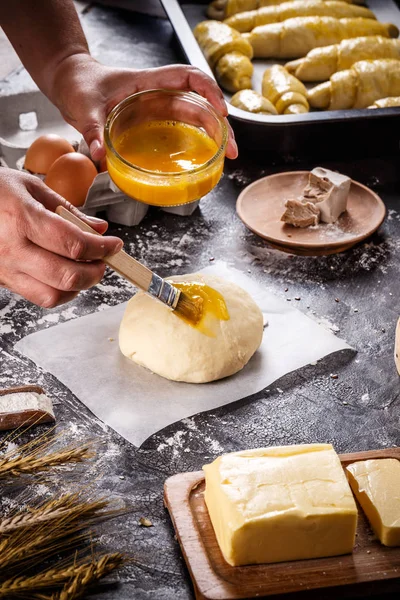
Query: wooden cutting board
[[372, 568]]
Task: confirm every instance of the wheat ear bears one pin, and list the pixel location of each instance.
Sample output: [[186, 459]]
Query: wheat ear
[[32, 463]]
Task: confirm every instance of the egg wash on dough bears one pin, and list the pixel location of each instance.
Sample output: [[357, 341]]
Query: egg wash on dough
[[213, 306]]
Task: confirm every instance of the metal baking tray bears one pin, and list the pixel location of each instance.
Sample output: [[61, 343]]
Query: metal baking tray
[[327, 134]]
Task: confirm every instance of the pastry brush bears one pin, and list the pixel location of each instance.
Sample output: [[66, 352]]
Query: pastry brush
[[142, 277]]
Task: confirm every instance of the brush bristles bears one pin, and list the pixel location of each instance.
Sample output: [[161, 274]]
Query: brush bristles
[[189, 309]]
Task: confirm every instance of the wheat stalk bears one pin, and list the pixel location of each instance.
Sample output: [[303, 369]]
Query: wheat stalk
[[46, 579], [21, 550], [96, 571], [67, 507], [27, 544], [24, 464], [71, 577]]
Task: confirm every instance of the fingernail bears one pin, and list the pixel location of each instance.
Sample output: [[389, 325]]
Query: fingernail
[[118, 246], [94, 219], [224, 108], [94, 148]]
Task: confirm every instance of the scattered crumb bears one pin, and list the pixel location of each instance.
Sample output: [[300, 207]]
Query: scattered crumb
[[334, 376], [297, 298], [356, 310], [144, 522], [345, 403], [288, 299], [111, 339], [211, 259], [122, 476], [337, 300], [286, 289]]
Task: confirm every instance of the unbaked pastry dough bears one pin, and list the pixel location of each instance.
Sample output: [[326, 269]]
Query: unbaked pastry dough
[[294, 38], [154, 337], [253, 102], [321, 63], [358, 87], [386, 102], [248, 20]]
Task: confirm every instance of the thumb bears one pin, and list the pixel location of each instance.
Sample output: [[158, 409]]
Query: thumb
[[92, 131]]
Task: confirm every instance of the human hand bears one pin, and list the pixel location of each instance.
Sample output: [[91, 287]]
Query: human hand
[[86, 91], [43, 257]]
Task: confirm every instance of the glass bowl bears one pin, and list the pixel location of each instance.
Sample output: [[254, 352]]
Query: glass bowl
[[158, 187]]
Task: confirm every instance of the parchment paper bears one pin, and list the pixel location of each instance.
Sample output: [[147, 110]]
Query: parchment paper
[[137, 403]]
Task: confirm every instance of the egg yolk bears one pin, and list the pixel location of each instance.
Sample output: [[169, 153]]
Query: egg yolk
[[166, 146], [211, 302]]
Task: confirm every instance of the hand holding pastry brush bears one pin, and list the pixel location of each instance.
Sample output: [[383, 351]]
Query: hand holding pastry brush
[[142, 277]]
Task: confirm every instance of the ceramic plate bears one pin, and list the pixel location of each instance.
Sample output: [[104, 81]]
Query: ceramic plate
[[262, 203]]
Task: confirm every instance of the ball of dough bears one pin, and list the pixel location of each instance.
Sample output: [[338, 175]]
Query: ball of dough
[[153, 337]]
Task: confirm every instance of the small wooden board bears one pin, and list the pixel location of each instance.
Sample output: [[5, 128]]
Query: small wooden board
[[372, 568], [262, 203]]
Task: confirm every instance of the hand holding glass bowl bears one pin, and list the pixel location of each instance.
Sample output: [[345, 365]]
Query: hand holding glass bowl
[[165, 147]]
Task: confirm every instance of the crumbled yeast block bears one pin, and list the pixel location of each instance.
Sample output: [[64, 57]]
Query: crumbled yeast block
[[300, 214], [24, 407], [376, 485], [326, 192], [277, 504]]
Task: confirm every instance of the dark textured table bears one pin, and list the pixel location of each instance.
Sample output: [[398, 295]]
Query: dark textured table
[[359, 410]]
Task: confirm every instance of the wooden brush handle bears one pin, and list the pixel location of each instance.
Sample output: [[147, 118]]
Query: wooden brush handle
[[121, 262]]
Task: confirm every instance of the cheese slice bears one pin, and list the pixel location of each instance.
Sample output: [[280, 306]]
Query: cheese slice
[[376, 485], [397, 347], [329, 191], [280, 503]]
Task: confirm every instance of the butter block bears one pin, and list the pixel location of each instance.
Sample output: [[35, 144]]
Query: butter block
[[280, 503], [329, 192], [376, 485]]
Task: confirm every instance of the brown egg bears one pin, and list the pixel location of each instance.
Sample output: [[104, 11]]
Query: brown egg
[[71, 176], [44, 151]]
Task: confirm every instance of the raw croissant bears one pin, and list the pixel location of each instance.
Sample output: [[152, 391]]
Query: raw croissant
[[222, 9], [217, 39], [386, 102], [234, 71], [286, 92], [253, 102], [296, 37], [246, 21], [321, 63], [358, 87]]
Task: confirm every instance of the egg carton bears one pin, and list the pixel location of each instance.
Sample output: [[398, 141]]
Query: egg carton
[[26, 116]]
